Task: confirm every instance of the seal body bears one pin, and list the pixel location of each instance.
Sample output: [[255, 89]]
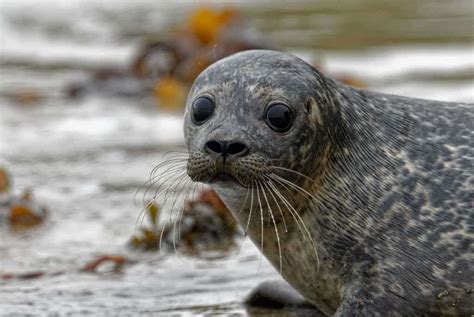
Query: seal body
[[365, 205]]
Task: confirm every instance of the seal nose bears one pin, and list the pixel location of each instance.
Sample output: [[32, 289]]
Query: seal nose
[[225, 148]]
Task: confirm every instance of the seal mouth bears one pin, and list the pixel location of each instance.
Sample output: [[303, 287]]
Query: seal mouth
[[224, 177], [244, 172]]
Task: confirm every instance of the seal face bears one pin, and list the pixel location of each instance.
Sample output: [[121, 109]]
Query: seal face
[[362, 200]]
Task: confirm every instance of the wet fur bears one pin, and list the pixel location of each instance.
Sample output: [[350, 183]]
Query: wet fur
[[389, 207]]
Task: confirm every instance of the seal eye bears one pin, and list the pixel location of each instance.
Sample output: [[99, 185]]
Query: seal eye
[[279, 117], [202, 109]]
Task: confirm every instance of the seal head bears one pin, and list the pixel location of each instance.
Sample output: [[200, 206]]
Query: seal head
[[265, 113]]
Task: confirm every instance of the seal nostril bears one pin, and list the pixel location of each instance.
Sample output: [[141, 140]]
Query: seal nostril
[[224, 148], [237, 148], [214, 146]]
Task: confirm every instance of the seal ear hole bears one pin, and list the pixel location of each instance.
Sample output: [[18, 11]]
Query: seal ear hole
[[308, 106]]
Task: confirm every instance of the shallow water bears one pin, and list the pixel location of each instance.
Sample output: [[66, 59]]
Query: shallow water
[[86, 159]]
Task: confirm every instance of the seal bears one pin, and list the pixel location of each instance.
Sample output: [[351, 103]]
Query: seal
[[363, 201]]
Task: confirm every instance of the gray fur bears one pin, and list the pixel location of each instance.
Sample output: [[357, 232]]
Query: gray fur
[[392, 185]]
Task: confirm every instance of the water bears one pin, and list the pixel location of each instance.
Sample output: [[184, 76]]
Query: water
[[85, 159]]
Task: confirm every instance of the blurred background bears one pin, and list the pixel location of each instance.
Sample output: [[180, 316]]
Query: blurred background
[[91, 98]]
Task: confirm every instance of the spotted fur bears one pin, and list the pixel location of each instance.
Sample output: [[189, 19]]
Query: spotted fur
[[391, 183]]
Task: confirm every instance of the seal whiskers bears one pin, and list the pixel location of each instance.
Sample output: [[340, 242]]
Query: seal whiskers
[[176, 183], [291, 171], [294, 213], [250, 215], [275, 226], [177, 221], [261, 222], [248, 218], [142, 213], [189, 190], [278, 205], [185, 198], [289, 207], [178, 162]]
